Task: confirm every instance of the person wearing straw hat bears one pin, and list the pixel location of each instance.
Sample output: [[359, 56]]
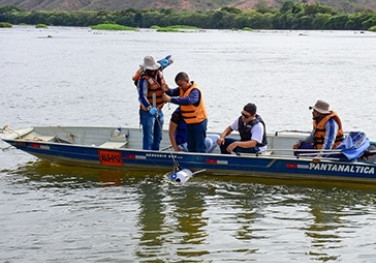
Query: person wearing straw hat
[[151, 86], [327, 130]]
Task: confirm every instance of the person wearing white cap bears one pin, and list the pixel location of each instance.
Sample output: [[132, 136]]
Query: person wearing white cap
[[327, 130], [151, 86]]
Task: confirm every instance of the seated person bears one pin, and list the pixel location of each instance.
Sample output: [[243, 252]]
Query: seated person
[[327, 130], [252, 133], [178, 134]]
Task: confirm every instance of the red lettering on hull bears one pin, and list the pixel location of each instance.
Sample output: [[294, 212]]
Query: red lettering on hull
[[108, 157]]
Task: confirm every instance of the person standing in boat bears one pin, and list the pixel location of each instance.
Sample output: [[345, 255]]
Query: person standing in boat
[[151, 86], [252, 131], [327, 130], [192, 107], [178, 134]]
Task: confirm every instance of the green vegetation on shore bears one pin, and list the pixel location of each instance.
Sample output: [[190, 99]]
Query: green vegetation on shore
[[174, 28], [247, 29], [5, 24], [291, 15], [40, 26], [110, 26]]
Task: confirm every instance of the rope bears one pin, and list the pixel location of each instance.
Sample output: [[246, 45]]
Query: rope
[[176, 166], [166, 148], [157, 119]]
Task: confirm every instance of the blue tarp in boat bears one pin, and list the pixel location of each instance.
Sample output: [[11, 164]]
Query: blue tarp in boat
[[354, 145]]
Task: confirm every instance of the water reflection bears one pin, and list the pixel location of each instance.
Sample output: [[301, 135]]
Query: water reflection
[[171, 216], [151, 218], [332, 210], [75, 176], [50, 175], [204, 219], [324, 230], [188, 205]]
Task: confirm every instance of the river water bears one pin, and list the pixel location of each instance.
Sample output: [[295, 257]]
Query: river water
[[76, 76]]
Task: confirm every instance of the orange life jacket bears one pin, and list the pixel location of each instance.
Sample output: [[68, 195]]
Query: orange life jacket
[[193, 114], [137, 75], [319, 135], [155, 88]]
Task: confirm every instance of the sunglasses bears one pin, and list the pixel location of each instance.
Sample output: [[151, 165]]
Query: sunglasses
[[245, 116]]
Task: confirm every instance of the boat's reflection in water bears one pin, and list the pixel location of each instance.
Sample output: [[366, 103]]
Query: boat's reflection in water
[[62, 175], [69, 176]]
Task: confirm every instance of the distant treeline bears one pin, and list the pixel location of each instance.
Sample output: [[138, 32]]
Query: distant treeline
[[290, 16]]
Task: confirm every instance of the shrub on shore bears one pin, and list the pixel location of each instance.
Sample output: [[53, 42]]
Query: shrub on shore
[[174, 28], [40, 26], [247, 28], [110, 26], [5, 24]]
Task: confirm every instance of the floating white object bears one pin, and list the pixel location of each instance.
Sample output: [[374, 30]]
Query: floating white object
[[181, 176]]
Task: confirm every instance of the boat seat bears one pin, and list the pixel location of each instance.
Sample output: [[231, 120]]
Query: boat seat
[[114, 144]]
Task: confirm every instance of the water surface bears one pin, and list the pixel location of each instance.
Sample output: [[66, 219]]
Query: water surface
[[75, 76]]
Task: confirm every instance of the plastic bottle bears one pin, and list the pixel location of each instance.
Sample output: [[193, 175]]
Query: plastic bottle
[[116, 132]]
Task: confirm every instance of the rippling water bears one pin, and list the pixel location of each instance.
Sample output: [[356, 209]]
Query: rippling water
[[65, 214], [75, 76]]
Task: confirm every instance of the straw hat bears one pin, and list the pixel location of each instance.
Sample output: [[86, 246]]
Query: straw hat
[[321, 106], [150, 63]]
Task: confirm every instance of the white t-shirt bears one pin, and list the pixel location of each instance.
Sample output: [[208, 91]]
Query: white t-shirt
[[257, 132]]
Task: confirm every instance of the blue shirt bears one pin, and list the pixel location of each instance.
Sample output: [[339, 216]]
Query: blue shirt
[[181, 129], [192, 99], [331, 129], [143, 87]]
